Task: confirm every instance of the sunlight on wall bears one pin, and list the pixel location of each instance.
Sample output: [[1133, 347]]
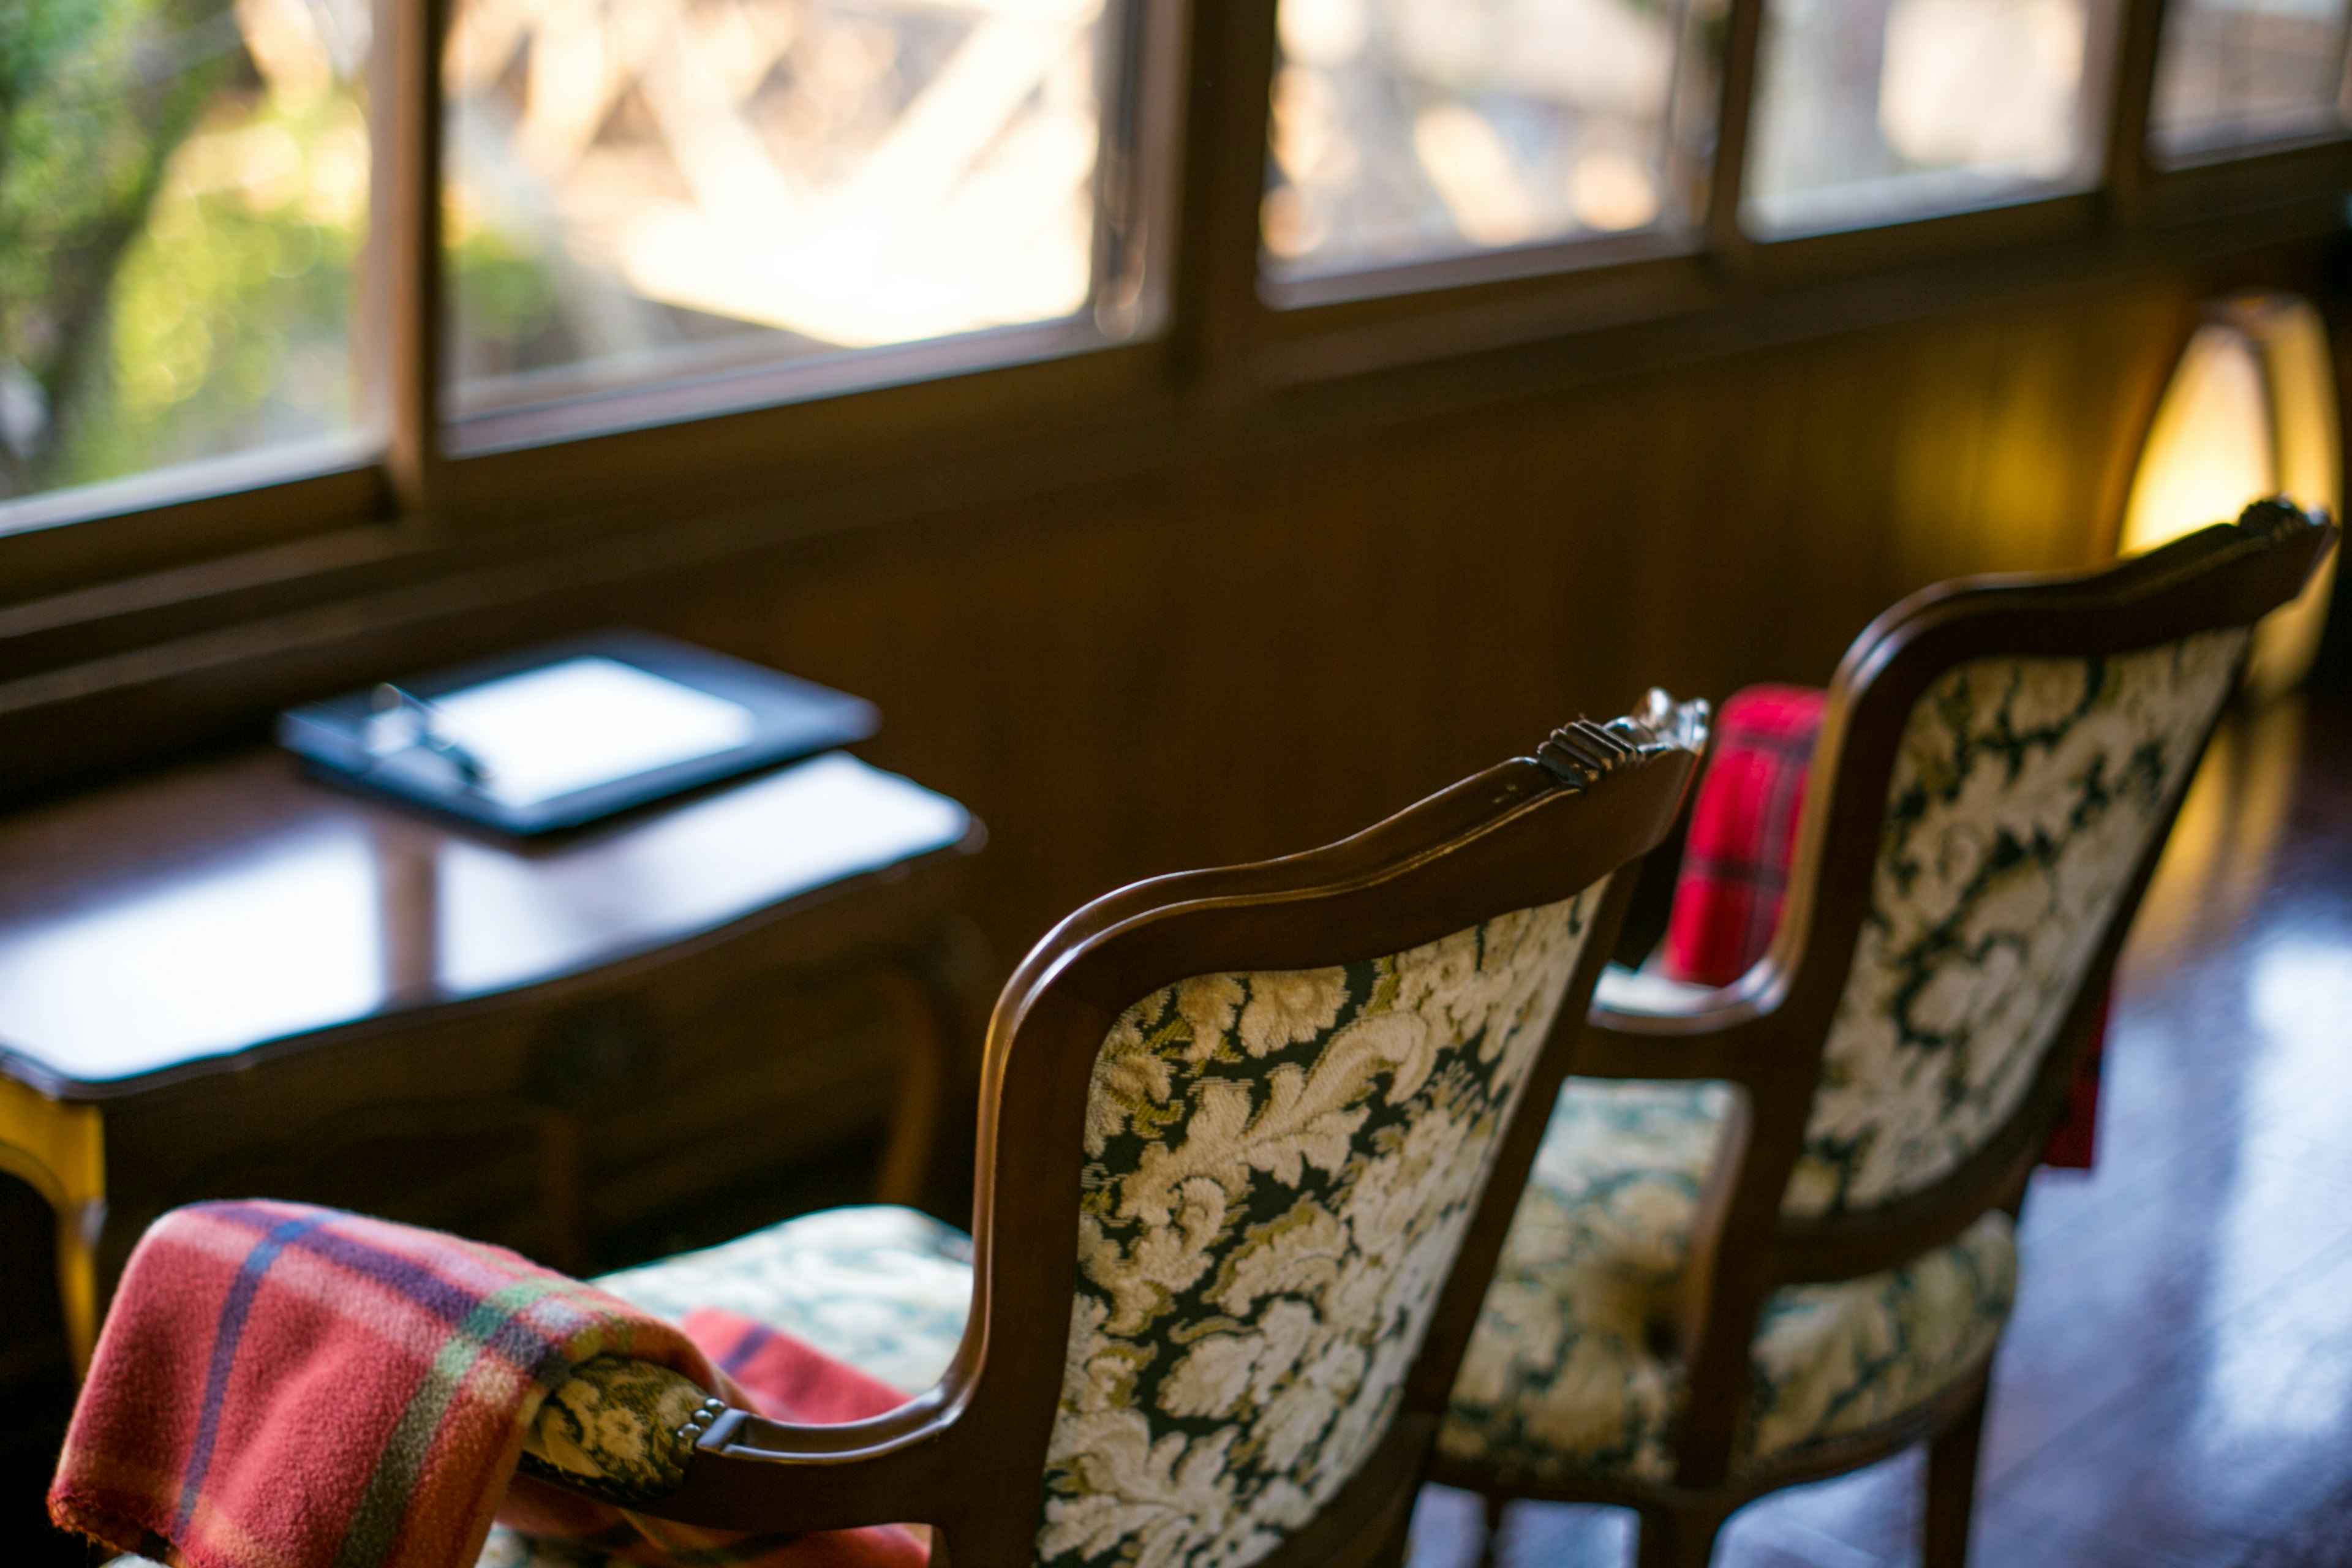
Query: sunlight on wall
[[2251, 411], [2210, 451]]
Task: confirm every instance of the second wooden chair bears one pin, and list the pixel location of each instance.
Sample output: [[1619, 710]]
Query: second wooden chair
[[1770, 1236]]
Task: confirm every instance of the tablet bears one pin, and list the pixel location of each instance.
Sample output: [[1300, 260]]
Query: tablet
[[561, 733]]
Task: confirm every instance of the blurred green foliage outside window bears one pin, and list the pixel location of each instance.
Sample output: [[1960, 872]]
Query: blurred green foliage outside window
[[183, 196]]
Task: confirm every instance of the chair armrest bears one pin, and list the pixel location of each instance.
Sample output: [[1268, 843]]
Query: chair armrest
[[753, 1474], [642, 1436], [1645, 1026], [619, 1429], [1637, 1000]]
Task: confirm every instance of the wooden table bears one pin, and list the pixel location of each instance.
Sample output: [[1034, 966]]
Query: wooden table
[[229, 979]]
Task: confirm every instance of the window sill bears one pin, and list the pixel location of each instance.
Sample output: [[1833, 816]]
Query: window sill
[[1672, 309], [56, 540]]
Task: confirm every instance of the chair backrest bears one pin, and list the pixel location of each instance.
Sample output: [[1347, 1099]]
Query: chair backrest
[[1250, 1140], [1280, 1167], [2006, 757]]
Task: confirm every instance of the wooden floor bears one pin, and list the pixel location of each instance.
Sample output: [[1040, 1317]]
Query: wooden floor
[[2176, 1388]]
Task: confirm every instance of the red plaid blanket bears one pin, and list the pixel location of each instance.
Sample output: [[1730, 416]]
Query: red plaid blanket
[[1743, 834], [284, 1386], [1735, 871]]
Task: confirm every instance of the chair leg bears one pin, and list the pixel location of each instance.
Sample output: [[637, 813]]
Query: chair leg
[[1398, 1551], [1490, 1545], [1677, 1539], [1952, 1488]]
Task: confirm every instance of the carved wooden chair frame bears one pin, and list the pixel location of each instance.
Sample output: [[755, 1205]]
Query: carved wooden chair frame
[[1764, 1032], [968, 1457]]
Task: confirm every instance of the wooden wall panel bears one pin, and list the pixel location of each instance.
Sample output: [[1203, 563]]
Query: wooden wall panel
[[1263, 649]]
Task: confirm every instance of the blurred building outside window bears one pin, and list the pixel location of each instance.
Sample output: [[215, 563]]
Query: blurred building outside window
[[645, 189], [1871, 112], [1407, 130], [183, 200], [2236, 74]]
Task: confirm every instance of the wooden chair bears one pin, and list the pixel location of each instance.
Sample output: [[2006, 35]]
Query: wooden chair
[[1776, 1244], [1250, 1140]]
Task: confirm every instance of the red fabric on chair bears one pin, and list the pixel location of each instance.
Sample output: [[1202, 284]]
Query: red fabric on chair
[[1735, 871], [2075, 1142], [1743, 834], [285, 1384], [788, 1379]]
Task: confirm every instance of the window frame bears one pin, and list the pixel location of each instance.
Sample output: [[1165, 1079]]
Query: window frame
[[241, 550]]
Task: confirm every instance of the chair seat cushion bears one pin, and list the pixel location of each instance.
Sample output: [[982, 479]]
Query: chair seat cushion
[[1568, 1372], [886, 1289], [881, 1288]]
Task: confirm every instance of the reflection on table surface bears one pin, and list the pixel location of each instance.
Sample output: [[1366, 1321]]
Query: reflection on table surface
[[236, 903]]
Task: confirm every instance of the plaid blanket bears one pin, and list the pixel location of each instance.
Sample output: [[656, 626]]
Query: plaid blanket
[[1743, 834], [1735, 871], [284, 1386]]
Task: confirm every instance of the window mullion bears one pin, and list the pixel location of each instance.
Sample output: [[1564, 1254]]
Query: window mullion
[[411, 34], [1215, 300], [2125, 174], [1726, 179]]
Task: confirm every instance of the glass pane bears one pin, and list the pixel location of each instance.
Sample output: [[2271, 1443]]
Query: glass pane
[[1403, 130], [641, 189], [183, 194], [2235, 72], [1871, 110]]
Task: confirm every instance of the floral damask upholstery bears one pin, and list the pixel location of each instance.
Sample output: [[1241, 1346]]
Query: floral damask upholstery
[[616, 1425], [1279, 1170], [884, 1288], [1566, 1371], [2022, 797]]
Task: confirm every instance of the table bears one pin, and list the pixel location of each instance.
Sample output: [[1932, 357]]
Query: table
[[230, 979]]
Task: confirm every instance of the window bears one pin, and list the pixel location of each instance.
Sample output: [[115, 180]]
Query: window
[[963, 226], [1871, 111], [2242, 72], [183, 203], [645, 189], [1403, 130]]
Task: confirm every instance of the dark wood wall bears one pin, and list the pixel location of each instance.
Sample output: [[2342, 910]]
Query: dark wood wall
[[1266, 648]]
